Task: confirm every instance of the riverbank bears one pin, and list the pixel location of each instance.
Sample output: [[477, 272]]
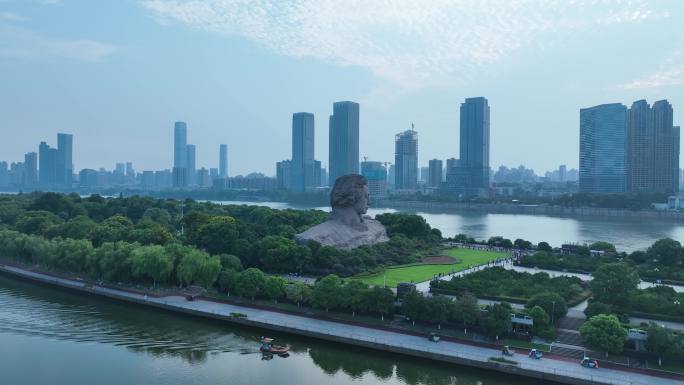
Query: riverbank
[[505, 208], [474, 355]]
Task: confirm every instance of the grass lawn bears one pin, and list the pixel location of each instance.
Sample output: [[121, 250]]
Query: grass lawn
[[425, 272]]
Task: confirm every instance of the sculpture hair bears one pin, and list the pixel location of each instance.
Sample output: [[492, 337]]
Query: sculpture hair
[[348, 190]]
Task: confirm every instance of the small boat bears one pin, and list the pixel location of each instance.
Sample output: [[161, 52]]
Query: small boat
[[267, 346]]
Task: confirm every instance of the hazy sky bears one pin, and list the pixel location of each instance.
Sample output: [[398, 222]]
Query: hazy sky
[[118, 73]]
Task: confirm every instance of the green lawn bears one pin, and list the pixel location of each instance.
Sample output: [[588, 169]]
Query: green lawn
[[425, 272]]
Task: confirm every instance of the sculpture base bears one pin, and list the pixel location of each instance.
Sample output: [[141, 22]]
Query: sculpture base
[[342, 236]]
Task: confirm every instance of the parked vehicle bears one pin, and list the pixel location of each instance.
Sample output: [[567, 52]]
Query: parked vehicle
[[589, 363], [536, 354]]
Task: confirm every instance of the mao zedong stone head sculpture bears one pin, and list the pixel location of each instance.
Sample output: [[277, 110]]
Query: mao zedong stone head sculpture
[[347, 227]]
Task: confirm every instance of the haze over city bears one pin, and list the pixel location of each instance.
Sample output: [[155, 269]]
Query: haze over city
[[118, 74]]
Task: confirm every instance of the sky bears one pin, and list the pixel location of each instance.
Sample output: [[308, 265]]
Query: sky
[[118, 73]]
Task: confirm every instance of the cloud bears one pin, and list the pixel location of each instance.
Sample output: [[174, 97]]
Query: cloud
[[11, 16], [664, 78], [670, 73], [411, 43], [22, 43]]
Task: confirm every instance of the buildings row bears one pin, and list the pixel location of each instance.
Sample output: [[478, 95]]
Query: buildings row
[[632, 149], [467, 176]]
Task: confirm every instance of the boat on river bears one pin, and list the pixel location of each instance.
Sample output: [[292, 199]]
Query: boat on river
[[267, 346]]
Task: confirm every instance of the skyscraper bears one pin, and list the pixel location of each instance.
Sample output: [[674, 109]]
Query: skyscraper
[[602, 148], [302, 151], [284, 174], [191, 172], [406, 160], [665, 161], [30, 170], [47, 161], [180, 157], [223, 160], [435, 173], [652, 148], [473, 177], [64, 167], [343, 140]]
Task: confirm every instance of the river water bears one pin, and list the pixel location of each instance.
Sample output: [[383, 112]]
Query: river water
[[627, 234], [58, 337]]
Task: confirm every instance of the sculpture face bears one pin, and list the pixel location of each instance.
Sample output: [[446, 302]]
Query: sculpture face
[[361, 204]]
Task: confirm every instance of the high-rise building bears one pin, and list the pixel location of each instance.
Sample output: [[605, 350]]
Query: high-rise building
[[602, 148], [47, 165], [30, 178], [424, 175], [4, 175], [223, 161], [180, 157], [391, 176], [473, 176], [676, 132], [406, 160], [284, 175], [64, 168], [666, 142], [302, 166], [652, 148], [562, 173], [434, 173], [317, 173], [343, 140], [376, 174], [190, 164]]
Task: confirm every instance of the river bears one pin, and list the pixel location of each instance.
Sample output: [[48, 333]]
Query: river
[[57, 337], [627, 234]]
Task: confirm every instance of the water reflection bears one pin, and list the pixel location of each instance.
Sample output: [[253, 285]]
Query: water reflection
[[73, 331]]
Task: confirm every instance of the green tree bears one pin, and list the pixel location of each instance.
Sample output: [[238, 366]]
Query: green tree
[[356, 297], [217, 234], [614, 284], [38, 222], [662, 342], [553, 304], [209, 271], [250, 283], [152, 262], [497, 322], [381, 300], [596, 308], [298, 292], [544, 246], [602, 246], [228, 280], [666, 251], [414, 305], [229, 261], [439, 308], [466, 310], [327, 293], [522, 244], [190, 265], [73, 254], [604, 333], [274, 288]]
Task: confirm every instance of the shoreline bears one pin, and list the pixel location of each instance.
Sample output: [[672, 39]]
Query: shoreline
[[473, 355], [539, 210]]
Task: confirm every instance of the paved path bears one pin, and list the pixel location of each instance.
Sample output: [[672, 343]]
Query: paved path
[[377, 337]]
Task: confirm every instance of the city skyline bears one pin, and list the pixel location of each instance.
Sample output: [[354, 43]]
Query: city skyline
[[236, 87]]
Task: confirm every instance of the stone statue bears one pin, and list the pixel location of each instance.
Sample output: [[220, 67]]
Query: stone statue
[[347, 227]]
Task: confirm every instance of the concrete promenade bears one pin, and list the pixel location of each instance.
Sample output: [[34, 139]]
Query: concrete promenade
[[550, 369]]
